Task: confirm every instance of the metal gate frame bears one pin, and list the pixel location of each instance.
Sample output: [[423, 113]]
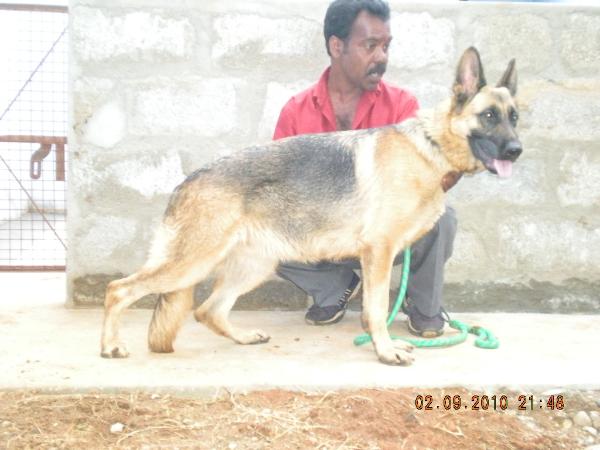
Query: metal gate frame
[[46, 143]]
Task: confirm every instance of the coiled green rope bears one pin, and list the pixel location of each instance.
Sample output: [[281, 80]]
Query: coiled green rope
[[485, 337]]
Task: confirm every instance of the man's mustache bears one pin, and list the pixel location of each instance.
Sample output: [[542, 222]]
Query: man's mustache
[[378, 69]]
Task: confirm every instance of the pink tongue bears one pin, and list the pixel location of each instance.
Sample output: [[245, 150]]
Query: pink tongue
[[503, 167]]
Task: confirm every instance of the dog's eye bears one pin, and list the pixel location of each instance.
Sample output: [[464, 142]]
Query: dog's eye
[[490, 116], [514, 117]]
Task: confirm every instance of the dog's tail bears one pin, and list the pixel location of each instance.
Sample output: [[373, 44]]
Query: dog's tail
[[169, 313]]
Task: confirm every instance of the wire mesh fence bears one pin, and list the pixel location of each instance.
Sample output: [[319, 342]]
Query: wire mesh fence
[[33, 128]]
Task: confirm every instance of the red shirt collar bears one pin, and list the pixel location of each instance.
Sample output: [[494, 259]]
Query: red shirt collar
[[321, 99]]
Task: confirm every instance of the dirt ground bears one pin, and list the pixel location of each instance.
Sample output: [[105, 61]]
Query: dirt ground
[[359, 419]]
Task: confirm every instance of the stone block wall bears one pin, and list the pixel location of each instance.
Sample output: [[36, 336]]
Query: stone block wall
[[160, 89]]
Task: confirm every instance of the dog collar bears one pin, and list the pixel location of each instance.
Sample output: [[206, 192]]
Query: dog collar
[[450, 179]]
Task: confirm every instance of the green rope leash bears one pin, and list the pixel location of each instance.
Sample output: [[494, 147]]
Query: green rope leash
[[485, 337]]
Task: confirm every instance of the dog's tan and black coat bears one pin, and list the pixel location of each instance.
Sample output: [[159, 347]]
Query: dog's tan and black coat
[[357, 194]]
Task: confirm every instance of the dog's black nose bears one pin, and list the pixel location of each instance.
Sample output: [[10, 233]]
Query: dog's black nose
[[511, 150]]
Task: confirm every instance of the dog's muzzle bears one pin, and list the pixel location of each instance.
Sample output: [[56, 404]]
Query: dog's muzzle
[[512, 150], [509, 154], [497, 159]]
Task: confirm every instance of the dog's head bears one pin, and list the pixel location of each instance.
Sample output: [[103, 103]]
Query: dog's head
[[486, 116]]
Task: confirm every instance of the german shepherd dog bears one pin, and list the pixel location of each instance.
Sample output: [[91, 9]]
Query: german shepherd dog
[[364, 194]]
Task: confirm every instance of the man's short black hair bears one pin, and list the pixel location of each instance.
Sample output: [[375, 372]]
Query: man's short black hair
[[341, 15]]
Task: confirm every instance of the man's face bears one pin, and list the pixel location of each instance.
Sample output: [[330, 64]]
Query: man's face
[[364, 55]]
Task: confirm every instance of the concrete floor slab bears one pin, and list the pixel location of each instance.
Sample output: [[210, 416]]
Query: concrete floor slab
[[49, 347]]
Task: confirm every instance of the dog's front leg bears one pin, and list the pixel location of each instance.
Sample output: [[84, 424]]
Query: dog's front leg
[[376, 262]]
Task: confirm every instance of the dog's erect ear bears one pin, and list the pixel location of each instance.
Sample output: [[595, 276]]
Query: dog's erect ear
[[509, 79], [469, 77]]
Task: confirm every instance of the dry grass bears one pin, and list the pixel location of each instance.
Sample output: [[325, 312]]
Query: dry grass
[[364, 419]]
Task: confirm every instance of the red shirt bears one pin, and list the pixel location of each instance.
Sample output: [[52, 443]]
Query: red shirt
[[311, 112]]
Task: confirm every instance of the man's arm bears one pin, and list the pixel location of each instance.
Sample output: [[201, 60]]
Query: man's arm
[[286, 124], [410, 108], [405, 104]]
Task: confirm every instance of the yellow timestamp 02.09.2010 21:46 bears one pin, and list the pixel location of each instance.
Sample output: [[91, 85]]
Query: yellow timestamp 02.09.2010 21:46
[[477, 402]]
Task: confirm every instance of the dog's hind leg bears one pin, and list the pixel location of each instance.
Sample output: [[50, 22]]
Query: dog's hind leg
[[239, 273], [188, 266], [203, 223], [376, 263], [120, 294], [169, 313]]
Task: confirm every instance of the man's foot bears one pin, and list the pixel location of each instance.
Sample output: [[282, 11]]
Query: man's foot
[[421, 325], [326, 315]]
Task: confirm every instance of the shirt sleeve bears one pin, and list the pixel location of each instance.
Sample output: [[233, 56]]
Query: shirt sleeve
[[286, 124], [409, 109]]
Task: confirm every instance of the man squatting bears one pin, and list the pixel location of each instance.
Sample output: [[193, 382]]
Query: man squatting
[[351, 95]]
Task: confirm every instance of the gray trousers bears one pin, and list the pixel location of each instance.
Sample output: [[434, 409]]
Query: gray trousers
[[326, 281]]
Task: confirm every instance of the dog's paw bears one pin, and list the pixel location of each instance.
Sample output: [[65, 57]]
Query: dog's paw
[[114, 351], [403, 345], [252, 337], [395, 357]]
